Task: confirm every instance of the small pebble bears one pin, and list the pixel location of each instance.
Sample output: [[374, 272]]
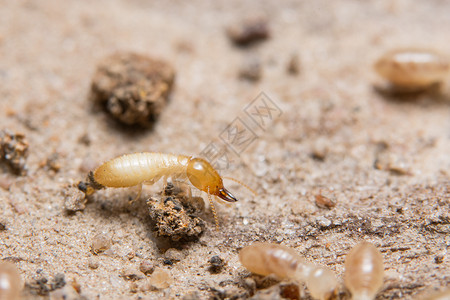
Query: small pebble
[[250, 285], [134, 287], [320, 149], [167, 262], [146, 267], [251, 69], [85, 139], [173, 254], [100, 243], [68, 292], [216, 264], [193, 295], [74, 199], [324, 202], [52, 162], [290, 290], [251, 29], [76, 285], [5, 182], [132, 88], [43, 286], [293, 66], [14, 151], [439, 259], [393, 162], [130, 273], [93, 263], [161, 279], [323, 222]]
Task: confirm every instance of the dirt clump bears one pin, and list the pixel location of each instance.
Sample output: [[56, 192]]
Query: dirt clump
[[132, 88], [249, 30], [14, 151], [173, 213], [43, 287], [251, 69], [74, 199]]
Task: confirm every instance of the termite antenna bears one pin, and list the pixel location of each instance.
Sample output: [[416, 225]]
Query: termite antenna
[[213, 208], [243, 184]]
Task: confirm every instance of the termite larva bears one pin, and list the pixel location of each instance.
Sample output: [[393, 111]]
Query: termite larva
[[364, 271], [147, 168], [10, 281], [413, 68], [286, 263]]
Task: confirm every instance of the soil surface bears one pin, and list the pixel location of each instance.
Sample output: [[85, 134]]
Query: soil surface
[[309, 127]]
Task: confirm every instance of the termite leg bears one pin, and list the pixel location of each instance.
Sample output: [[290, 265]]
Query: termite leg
[[183, 186], [138, 194], [213, 208]]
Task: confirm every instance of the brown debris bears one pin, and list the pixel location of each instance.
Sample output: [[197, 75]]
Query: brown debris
[[146, 267], [160, 279], [393, 162], [43, 287], [173, 254], [282, 290], [132, 88], [324, 202], [293, 66], [100, 243], [251, 69], [68, 292], [74, 199], [130, 273], [5, 182], [228, 289], [290, 290], [14, 151], [192, 295], [173, 221], [173, 214], [216, 264], [93, 263], [51, 162], [249, 30]]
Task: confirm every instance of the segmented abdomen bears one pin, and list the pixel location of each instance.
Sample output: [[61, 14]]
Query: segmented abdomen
[[133, 169]]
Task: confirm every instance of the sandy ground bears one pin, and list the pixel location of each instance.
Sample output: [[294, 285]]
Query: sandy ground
[[332, 128]]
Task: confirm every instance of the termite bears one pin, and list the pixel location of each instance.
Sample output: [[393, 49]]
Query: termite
[[11, 283], [285, 263], [413, 68], [364, 270], [147, 168]]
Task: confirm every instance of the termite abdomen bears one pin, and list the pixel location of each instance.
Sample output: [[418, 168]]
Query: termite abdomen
[[364, 271]]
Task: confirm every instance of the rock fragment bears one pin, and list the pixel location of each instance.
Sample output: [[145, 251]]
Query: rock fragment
[[132, 88]]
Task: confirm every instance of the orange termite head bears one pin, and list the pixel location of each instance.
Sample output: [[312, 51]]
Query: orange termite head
[[204, 177]]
